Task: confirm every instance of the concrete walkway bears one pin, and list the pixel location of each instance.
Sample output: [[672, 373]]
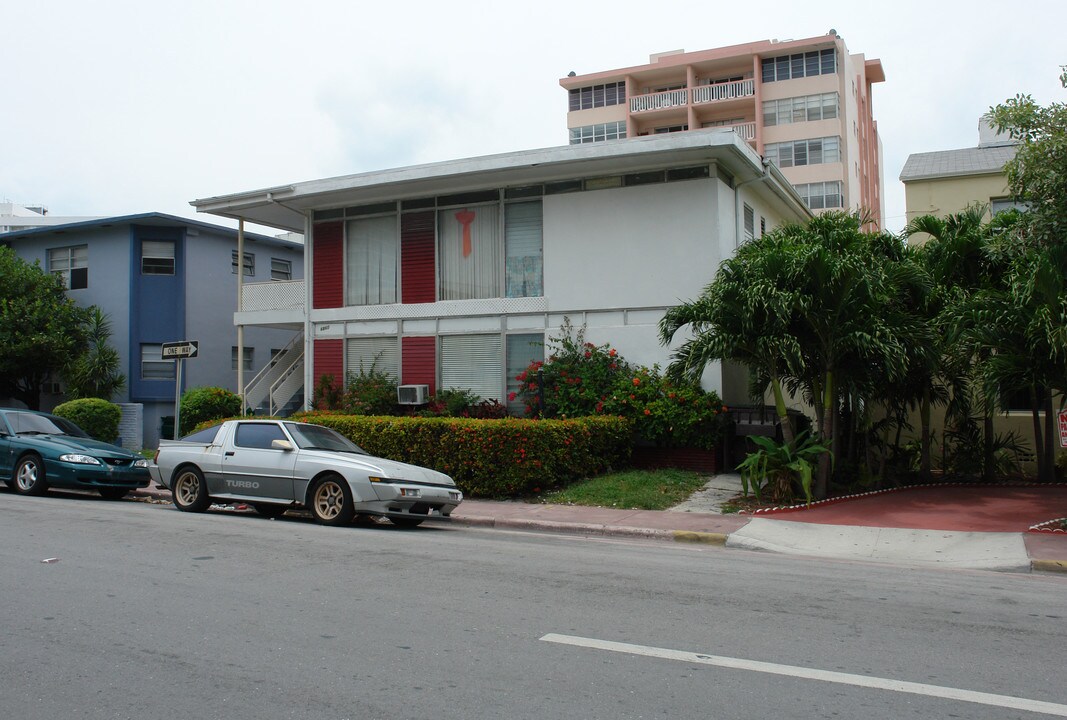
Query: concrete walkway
[[963, 526]]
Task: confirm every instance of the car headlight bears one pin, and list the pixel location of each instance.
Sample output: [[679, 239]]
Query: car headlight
[[142, 463], [79, 459]]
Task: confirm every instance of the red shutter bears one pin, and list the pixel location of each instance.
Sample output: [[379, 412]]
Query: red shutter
[[329, 359], [328, 272], [420, 361], [417, 258]]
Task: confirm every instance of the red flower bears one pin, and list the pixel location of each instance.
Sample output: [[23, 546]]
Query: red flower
[[512, 396], [636, 382], [612, 352], [647, 411], [588, 354]]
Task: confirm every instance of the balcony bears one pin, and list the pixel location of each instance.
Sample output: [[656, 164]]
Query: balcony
[[277, 304], [701, 95]]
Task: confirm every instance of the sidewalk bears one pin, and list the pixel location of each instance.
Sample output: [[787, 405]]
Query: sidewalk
[[972, 526]]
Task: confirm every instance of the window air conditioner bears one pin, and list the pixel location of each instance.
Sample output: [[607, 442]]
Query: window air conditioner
[[412, 394]]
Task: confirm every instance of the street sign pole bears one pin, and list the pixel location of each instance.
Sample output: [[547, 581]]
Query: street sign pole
[[179, 352], [177, 398]]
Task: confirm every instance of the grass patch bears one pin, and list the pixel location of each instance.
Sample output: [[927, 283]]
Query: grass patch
[[632, 490]]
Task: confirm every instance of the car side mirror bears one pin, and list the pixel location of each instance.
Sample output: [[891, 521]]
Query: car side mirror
[[281, 445]]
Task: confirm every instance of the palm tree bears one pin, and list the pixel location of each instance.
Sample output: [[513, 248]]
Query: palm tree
[[94, 372]]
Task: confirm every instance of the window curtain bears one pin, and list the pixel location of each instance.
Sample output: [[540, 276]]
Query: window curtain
[[523, 246], [471, 252], [371, 263]]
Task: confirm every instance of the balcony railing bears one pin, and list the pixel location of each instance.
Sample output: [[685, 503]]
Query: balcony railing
[[697, 96], [284, 295], [747, 131], [659, 101], [724, 91]]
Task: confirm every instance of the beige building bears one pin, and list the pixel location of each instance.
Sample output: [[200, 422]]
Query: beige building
[[947, 181], [803, 104]]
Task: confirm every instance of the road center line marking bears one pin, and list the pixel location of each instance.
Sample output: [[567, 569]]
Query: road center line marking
[[981, 698]]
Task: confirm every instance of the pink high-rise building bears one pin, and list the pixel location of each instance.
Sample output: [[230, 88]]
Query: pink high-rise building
[[803, 104]]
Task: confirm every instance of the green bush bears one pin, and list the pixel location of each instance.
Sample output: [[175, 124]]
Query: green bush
[[370, 392], [492, 458], [97, 417], [207, 403]]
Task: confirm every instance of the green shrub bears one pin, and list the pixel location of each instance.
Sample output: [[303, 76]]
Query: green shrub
[[327, 395], [370, 392], [496, 458], [207, 403], [97, 417]]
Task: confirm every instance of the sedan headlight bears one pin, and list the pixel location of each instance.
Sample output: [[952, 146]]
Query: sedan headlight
[[142, 463], [79, 459]]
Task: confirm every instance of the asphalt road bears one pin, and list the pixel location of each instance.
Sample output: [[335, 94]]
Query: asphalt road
[[145, 612]]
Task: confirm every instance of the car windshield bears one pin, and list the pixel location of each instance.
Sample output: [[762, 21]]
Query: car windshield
[[316, 437], [24, 423]]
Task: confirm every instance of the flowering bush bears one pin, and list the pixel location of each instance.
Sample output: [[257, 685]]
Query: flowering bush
[[578, 377], [581, 379], [666, 413]]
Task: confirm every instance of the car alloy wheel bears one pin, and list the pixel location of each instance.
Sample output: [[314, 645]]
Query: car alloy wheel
[[190, 491], [331, 501], [29, 476]]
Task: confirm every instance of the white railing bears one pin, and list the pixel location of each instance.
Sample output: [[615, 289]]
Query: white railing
[[263, 387], [746, 130], [276, 295], [659, 101], [724, 91]]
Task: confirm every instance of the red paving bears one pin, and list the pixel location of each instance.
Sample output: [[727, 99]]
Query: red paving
[[969, 508]]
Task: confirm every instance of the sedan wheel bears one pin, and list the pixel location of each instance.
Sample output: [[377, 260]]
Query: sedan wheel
[[190, 491], [29, 476], [331, 501]]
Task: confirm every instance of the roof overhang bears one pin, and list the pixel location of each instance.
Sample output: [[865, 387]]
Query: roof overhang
[[288, 206]]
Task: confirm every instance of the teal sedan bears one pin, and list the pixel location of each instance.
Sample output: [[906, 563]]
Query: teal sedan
[[39, 451]]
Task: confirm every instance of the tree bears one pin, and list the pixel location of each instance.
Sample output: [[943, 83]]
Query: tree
[[94, 372], [1033, 309], [816, 305], [40, 327]]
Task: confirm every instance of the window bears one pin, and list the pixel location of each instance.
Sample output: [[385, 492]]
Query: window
[[157, 257], [71, 264], [472, 362], [1019, 400], [800, 109], [281, 269], [258, 436], [791, 67], [750, 223], [523, 261], [999, 205], [249, 266], [521, 351], [762, 226], [598, 133], [670, 129], [371, 250], [598, 96], [381, 354], [153, 366], [821, 195], [815, 151], [470, 251], [246, 358]]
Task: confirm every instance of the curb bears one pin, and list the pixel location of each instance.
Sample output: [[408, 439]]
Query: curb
[[1054, 566], [718, 539]]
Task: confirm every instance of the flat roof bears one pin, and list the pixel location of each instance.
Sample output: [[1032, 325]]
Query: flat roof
[[287, 206]]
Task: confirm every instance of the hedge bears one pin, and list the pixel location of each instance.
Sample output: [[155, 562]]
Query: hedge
[[493, 458], [99, 418]]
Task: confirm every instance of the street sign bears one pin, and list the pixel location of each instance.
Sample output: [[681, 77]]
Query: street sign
[[180, 350]]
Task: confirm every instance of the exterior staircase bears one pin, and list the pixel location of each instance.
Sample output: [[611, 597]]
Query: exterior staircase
[[278, 389]]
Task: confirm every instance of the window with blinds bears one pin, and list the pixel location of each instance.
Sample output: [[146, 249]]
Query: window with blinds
[[524, 273], [378, 353], [473, 362], [71, 264], [157, 257]]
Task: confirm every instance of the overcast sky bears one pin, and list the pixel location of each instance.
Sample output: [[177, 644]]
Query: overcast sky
[[121, 107]]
